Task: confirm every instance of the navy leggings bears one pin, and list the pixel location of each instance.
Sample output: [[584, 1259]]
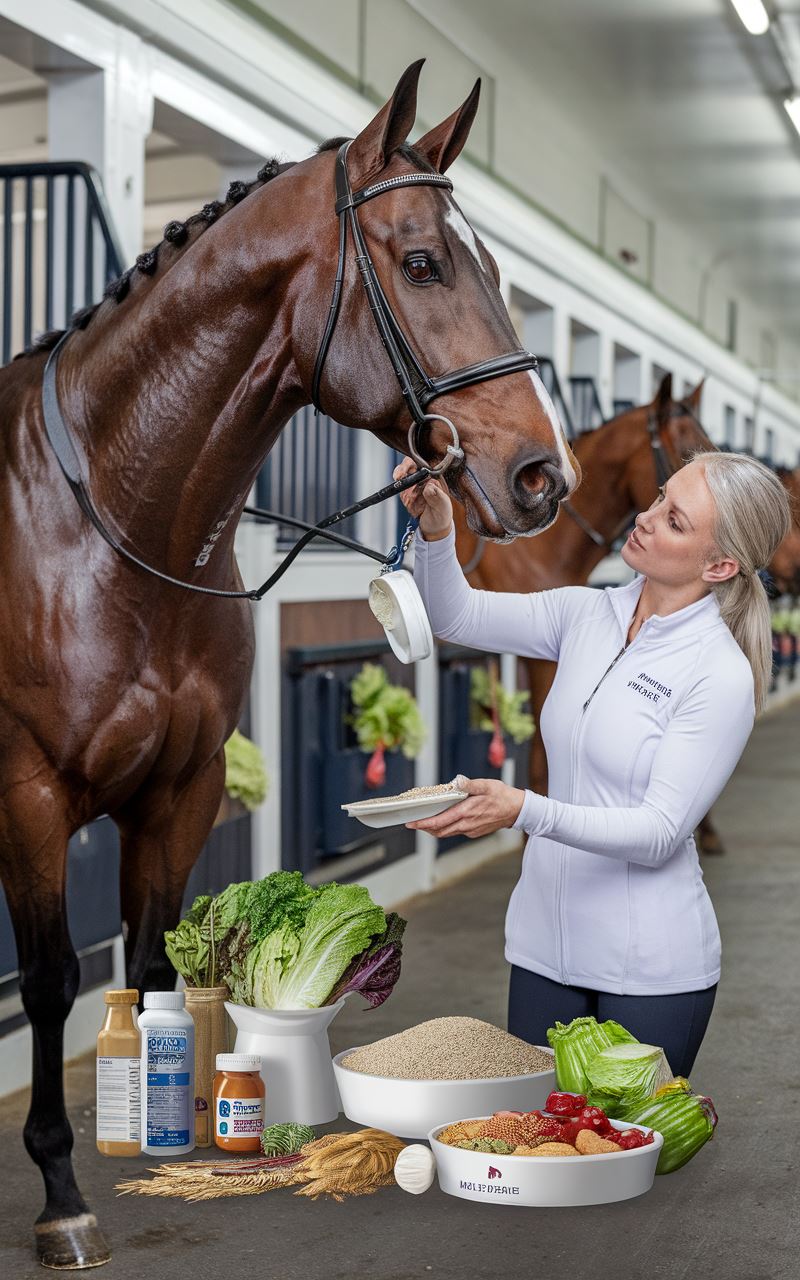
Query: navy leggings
[[675, 1022]]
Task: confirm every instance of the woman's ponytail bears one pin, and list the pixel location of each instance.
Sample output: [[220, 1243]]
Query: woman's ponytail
[[753, 516]]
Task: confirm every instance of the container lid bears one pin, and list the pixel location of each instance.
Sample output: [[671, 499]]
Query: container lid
[[127, 995], [395, 601], [238, 1062], [164, 1000]]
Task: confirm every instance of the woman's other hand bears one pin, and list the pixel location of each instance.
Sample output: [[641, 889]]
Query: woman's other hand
[[429, 500], [491, 806]]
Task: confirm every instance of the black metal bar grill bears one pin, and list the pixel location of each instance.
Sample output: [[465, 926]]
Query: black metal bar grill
[[54, 220]]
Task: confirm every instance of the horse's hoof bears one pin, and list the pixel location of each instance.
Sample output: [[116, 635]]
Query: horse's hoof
[[70, 1244]]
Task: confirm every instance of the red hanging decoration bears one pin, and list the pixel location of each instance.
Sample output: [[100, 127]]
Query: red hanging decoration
[[497, 746], [375, 774], [497, 750]]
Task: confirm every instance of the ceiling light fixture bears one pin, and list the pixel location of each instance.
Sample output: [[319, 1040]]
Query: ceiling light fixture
[[753, 15]]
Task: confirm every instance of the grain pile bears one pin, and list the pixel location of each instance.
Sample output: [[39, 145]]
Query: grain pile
[[416, 793], [449, 1049], [383, 604]]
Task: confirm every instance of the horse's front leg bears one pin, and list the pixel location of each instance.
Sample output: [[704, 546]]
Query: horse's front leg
[[161, 835], [708, 838], [33, 856]]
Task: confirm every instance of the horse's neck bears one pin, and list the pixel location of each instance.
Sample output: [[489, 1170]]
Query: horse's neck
[[178, 400], [605, 455]]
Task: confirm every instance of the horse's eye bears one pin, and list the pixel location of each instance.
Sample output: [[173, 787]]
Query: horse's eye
[[419, 269]]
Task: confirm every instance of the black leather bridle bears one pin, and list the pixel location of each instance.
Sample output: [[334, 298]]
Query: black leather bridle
[[418, 389], [417, 386]]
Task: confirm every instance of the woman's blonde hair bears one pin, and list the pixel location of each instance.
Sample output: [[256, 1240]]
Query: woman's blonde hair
[[753, 516]]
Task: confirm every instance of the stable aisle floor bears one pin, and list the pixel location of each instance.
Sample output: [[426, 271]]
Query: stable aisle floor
[[730, 1215]]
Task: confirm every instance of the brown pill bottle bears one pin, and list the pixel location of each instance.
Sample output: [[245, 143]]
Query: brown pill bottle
[[118, 1080], [238, 1102]]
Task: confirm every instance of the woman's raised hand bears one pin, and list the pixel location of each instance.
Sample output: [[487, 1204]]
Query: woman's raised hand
[[429, 500]]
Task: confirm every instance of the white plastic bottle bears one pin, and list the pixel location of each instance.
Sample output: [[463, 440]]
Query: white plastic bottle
[[167, 1074]]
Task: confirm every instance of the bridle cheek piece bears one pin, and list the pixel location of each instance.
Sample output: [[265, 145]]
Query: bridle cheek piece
[[417, 386]]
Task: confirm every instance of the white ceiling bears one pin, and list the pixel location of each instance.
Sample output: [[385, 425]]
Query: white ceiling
[[671, 93], [676, 95]]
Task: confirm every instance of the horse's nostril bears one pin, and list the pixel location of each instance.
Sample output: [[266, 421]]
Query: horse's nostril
[[530, 479], [537, 479]]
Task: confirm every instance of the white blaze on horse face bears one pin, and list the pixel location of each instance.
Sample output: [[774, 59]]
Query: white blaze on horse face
[[567, 469], [458, 224]]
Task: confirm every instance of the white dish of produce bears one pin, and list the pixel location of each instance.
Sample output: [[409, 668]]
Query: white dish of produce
[[393, 811], [546, 1181], [411, 1108]]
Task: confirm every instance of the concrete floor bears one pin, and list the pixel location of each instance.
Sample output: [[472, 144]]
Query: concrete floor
[[732, 1214]]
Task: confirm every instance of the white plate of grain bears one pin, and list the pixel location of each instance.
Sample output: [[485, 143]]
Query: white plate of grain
[[408, 806]]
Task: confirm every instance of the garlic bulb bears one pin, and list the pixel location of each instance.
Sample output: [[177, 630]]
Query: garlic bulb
[[414, 1168]]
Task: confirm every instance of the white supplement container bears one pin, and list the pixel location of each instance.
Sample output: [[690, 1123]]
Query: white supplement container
[[167, 1074]]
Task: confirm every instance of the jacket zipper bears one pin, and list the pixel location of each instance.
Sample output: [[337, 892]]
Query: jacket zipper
[[607, 672], [576, 733]]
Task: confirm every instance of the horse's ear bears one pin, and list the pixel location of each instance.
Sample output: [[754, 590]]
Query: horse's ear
[[663, 397], [371, 150], [695, 396], [443, 144]]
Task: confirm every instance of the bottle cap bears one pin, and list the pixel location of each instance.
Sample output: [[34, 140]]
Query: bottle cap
[[238, 1062], [164, 1000], [129, 995]]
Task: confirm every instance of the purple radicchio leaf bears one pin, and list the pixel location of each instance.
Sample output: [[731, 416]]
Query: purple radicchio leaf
[[375, 971], [374, 980]]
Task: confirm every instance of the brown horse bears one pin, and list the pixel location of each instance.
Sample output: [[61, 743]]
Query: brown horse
[[119, 689], [619, 479], [785, 564]]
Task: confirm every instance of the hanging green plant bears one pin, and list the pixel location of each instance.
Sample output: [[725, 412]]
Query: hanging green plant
[[514, 721], [387, 718], [245, 772]]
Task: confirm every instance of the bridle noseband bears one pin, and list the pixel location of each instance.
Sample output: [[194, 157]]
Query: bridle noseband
[[418, 388]]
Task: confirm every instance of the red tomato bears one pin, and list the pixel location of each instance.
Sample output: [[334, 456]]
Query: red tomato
[[565, 1104]]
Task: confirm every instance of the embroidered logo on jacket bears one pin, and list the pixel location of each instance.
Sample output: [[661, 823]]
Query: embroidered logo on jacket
[[655, 692]]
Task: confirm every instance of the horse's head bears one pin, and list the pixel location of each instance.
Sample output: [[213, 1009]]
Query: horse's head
[[670, 426], [785, 564], [441, 285]]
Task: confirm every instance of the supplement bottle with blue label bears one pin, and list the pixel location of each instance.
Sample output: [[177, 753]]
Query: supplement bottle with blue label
[[167, 1074], [238, 1102]]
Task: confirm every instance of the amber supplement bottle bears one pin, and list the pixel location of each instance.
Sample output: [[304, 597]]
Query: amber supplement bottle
[[238, 1102], [118, 1082]]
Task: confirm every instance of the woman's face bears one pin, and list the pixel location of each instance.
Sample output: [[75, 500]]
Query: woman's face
[[672, 542]]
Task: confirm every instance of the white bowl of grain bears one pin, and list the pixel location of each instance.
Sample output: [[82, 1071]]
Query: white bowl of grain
[[439, 1071]]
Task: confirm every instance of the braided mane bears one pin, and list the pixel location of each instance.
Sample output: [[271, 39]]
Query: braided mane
[[177, 234]]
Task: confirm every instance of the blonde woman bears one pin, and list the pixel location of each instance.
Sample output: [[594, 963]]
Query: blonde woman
[[657, 687]]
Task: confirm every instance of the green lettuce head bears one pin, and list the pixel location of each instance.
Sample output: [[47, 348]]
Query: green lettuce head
[[298, 970]]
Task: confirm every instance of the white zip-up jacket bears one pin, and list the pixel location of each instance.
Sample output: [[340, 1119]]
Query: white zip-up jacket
[[640, 742]]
